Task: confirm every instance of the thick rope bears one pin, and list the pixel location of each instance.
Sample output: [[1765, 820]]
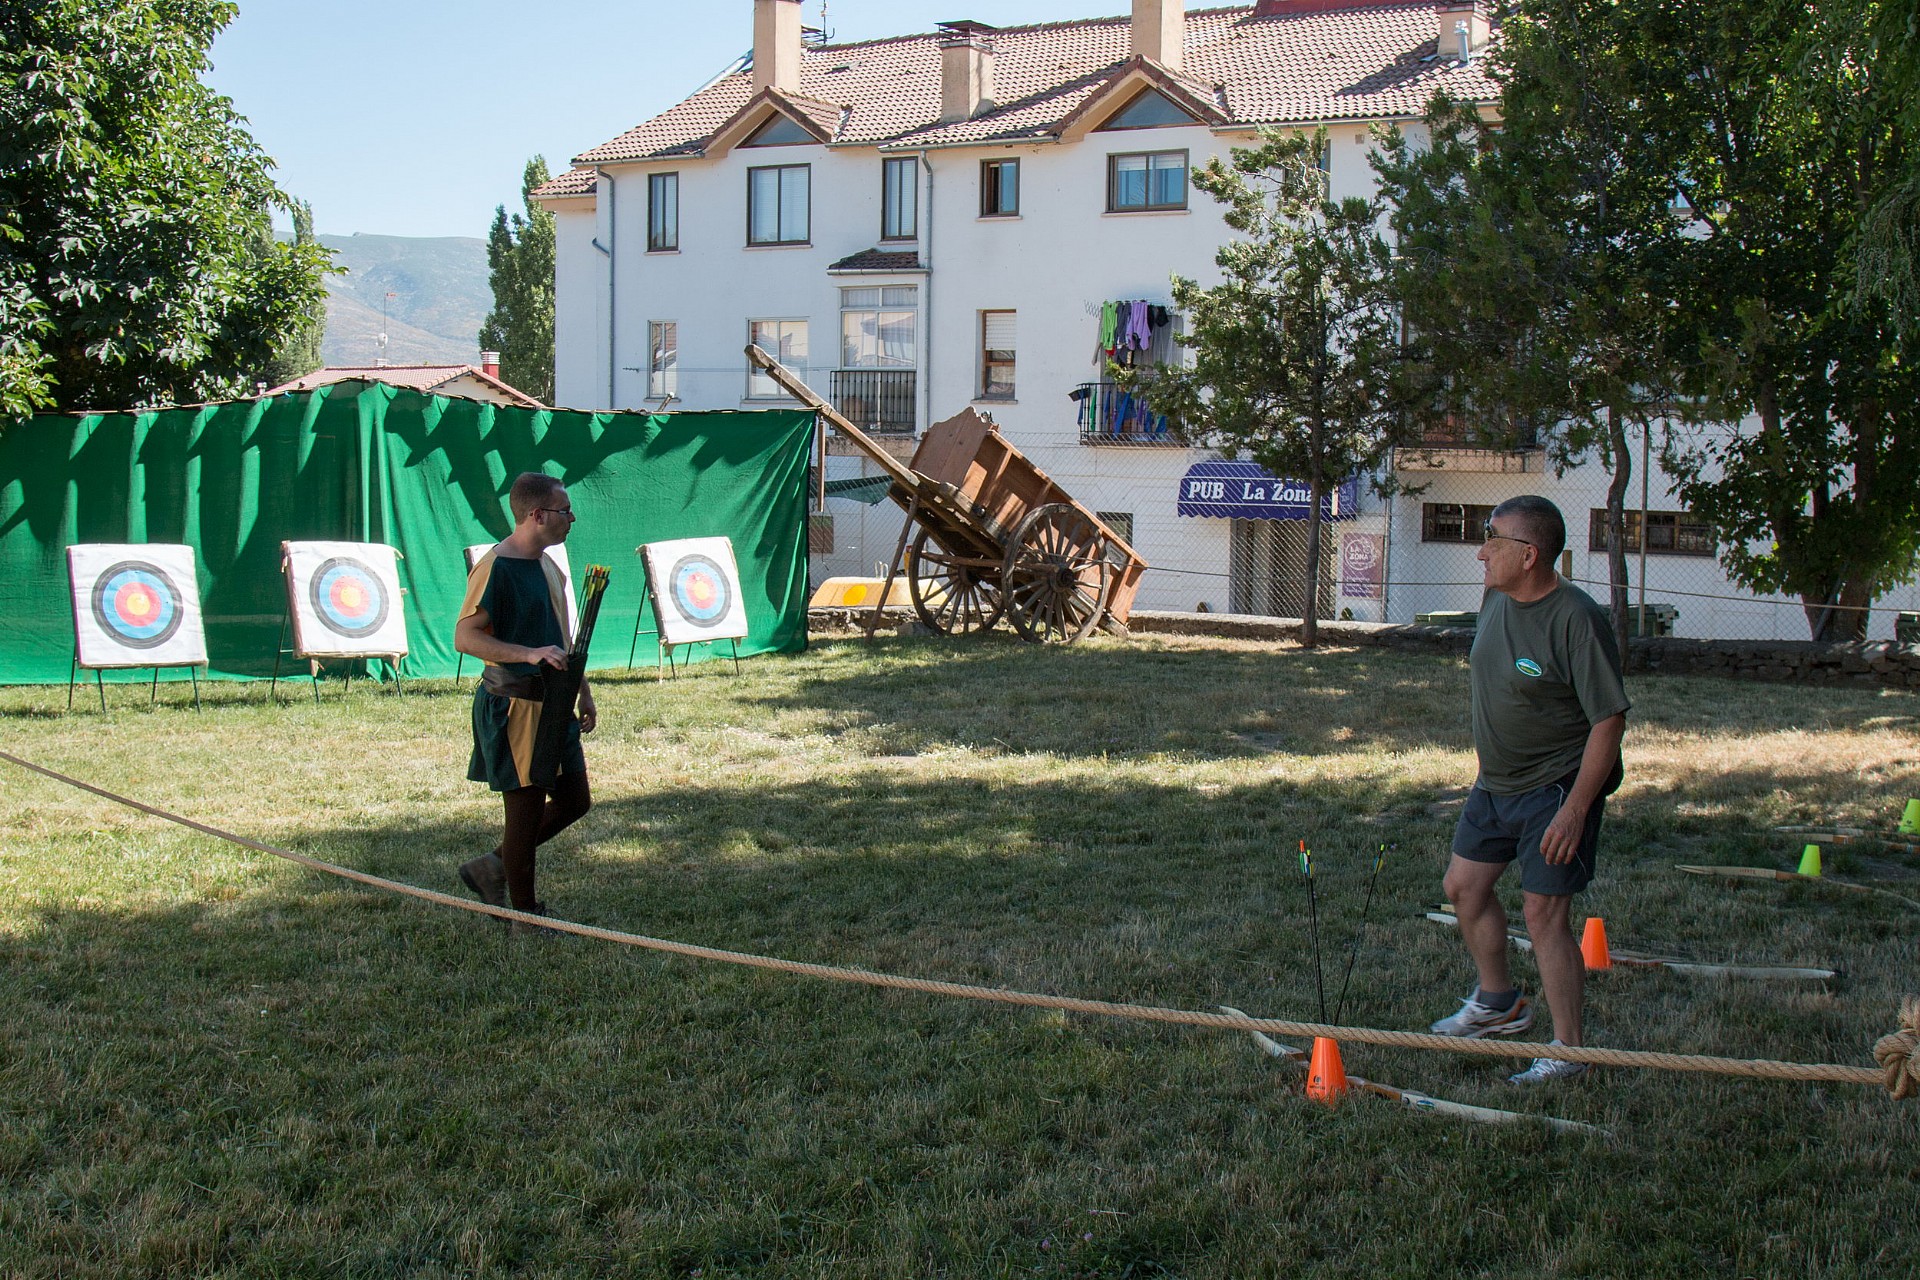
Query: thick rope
[[1751, 1068], [1899, 1053]]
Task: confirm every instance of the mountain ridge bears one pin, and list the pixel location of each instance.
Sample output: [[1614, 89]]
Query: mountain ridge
[[428, 294]]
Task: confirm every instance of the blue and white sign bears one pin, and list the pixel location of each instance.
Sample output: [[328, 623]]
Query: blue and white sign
[[1246, 491]]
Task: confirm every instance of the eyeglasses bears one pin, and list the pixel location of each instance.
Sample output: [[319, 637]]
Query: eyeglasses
[[559, 511], [1491, 535]]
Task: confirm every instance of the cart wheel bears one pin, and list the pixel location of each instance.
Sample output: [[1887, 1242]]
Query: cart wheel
[[952, 599], [1057, 575]]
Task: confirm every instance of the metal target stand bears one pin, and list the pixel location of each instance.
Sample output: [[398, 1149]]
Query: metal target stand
[[153, 693], [313, 660], [663, 665]]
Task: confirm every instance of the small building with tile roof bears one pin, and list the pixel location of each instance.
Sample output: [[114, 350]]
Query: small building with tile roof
[[467, 381]]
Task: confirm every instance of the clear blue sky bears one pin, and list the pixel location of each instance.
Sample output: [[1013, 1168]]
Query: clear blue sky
[[416, 117]]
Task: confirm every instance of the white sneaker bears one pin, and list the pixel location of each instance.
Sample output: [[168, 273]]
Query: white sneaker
[[1476, 1020], [1547, 1070]]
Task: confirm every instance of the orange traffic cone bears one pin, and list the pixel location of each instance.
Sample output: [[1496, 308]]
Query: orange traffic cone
[[1593, 945], [1326, 1076]]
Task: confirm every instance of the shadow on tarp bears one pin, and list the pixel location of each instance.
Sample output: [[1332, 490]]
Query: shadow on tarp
[[368, 462]]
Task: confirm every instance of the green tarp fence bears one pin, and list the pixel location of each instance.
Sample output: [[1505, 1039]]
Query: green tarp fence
[[367, 462]]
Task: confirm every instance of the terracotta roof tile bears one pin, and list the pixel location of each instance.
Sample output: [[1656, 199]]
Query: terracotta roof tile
[[879, 260], [414, 377], [574, 182], [1349, 63]]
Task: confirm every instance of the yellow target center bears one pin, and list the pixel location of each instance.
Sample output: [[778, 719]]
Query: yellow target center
[[140, 605], [351, 596]]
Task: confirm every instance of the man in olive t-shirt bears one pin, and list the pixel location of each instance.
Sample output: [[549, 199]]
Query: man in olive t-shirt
[[1549, 710]]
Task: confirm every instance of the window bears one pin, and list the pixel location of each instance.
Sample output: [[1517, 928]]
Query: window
[[879, 327], [996, 354], [999, 188], [1146, 180], [1453, 522], [1121, 522], [663, 212], [1148, 109], [1669, 533], [898, 212], [785, 341], [779, 204], [663, 359]]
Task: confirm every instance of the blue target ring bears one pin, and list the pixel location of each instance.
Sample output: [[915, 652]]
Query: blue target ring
[[348, 597], [137, 604], [698, 588]]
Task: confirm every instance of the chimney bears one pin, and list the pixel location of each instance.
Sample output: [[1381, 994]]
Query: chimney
[[1160, 31], [490, 363], [776, 45], [966, 70], [1464, 28]]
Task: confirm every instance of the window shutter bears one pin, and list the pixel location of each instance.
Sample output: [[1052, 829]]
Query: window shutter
[[998, 329]]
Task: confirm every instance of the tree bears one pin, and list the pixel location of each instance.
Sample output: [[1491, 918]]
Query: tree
[[520, 263], [300, 350], [132, 200], [1524, 270], [1295, 350], [1787, 140]]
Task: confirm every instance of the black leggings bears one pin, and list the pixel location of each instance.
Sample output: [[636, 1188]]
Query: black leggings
[[536, 815]]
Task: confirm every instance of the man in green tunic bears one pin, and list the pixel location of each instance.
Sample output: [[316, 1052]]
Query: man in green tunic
[[514, 619], [1549, 710]]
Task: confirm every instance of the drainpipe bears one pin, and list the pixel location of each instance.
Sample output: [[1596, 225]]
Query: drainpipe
[[613, 280], [926, 391]]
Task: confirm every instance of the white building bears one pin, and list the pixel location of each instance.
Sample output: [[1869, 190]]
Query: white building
[[933, 221]]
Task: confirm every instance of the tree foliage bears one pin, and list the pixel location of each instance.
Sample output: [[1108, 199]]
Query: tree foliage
[[520, 260], [132, 204], [1694, 207], [1785, 138], [299, 352], [1295, 350]]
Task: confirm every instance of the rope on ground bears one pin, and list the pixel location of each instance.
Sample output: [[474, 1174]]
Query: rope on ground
[[1899, 1053], [1901, 1076]]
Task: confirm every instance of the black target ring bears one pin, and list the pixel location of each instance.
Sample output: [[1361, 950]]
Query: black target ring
[[348, 597], [142, 579], [688, 582]]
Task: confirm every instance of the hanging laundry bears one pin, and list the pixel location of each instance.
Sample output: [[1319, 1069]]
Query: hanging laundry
[[1109, 327], [1138, 334]]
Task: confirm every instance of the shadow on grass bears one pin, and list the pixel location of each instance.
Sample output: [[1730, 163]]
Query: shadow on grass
[[298, 1077]]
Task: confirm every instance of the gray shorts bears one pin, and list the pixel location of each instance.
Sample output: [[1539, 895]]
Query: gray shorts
[[1505, 828]]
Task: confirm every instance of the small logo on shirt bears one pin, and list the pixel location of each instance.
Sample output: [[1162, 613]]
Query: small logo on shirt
[[1527, 667]]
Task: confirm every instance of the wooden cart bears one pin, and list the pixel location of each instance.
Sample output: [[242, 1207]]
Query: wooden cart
[[991, 534]]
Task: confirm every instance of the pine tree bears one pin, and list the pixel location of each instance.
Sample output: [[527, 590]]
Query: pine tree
[[520, 253]]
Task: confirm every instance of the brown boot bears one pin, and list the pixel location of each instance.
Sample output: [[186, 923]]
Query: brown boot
[[486, 875]]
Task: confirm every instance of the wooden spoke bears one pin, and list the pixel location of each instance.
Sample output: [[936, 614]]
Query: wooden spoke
[[954, 594], [1057, 575]]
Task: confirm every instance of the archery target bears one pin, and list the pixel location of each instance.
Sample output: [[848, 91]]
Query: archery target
[[696, 589], [345, 600], [557, 554], [135, 606]]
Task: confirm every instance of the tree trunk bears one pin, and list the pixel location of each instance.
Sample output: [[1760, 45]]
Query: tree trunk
[[1310, 604], [1617, 526]]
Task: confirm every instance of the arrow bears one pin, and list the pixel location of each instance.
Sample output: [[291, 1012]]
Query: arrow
[[1637, 959], [1899, 840], [1420, 1101], [1767, 873]]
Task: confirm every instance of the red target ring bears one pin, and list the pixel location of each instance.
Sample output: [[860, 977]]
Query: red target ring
[[137, 604], [348, 597]]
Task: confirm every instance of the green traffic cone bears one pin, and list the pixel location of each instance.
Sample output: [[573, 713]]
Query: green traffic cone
[[1810, 861], [1910, 820]]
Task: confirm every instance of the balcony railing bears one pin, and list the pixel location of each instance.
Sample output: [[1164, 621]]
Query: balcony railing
[[878, 401], [1110, 415]]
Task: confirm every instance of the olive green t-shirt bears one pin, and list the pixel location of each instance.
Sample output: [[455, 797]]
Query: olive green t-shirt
[[1544, 673]]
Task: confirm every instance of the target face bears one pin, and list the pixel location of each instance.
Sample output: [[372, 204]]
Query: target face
[[695, 588], [348, 597], [345, 600], [699, 590], [137, 603]]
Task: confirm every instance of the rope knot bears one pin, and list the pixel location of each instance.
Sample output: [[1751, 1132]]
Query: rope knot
[[1899, 1054]]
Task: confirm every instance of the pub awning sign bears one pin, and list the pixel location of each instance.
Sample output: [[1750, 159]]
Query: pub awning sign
[[1246, 491]]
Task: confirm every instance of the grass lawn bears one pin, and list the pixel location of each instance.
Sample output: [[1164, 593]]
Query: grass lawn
[[217, 1063]]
